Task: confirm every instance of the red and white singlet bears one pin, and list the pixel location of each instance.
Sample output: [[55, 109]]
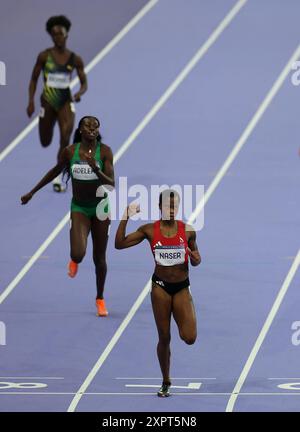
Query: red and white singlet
[[169, 251]]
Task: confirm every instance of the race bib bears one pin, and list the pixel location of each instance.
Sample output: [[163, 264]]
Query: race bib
[[58, 80], [169, 256], [82, 171]]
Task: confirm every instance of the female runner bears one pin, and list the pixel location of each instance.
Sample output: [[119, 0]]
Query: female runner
[[89, 162], [57, 64], [171, 241]]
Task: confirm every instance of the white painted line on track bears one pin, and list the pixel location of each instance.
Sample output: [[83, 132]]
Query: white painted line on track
[[172, 378], [33, 393], [247, 132], [192, 386], [46, 378], [30, 256], [19, 138], [109, 347], [34, 258], [217, 32], [245, 135], [88, 68], [284, 379], [182, 76], [221, 173], [263, 332], [204, 48]]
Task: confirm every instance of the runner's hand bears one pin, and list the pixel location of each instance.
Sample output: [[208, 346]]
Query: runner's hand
[[91, 161], [26, 198], [133, 209], [194, 255], [77, 97], [30, 109]]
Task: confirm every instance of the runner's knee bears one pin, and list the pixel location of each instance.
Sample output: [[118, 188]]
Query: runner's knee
[[46, 140], [164, 338], [77, 256], [99, 261], [189, 339]]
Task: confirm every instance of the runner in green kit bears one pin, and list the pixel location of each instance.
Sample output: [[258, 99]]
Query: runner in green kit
[[89, 163], [57, 64]]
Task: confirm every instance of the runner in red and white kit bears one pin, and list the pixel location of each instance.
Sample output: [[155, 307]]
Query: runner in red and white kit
[[172, 242]]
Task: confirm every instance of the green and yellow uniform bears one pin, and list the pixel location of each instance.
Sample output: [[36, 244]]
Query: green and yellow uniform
[[57, 80]]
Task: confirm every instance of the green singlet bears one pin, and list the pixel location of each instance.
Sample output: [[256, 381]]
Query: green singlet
[[82, 172]]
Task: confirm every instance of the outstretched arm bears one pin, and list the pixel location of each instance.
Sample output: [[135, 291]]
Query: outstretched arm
[[122, 240], [51, 174]]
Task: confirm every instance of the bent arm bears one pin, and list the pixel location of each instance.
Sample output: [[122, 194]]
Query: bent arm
[[107, 176], [123, 241], [195, 257]]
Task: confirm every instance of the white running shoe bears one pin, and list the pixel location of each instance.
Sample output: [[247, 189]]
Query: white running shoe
[[58, 185]]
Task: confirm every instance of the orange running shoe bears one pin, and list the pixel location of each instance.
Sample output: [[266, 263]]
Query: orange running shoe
[[73, 268], [101, 308]]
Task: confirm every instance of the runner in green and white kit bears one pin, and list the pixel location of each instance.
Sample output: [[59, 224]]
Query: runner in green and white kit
[[89, 163]]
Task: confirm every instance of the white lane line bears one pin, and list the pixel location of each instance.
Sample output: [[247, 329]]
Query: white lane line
[[145, 394], [293, 386], [88, 68], [34, 258], [217, 32], [193, 386], [46, 378], [33, 393], [19, 138], [247, 132], [284, 379], [159, 379], [182, 76], [109, 347], [263, 333], [30, 256]]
